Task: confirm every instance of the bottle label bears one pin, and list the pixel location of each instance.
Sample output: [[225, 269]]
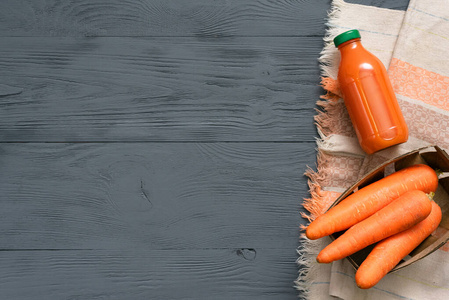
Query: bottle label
[[371, 108]]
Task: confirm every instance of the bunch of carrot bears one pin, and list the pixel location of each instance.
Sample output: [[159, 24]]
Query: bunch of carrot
[[396, 212]]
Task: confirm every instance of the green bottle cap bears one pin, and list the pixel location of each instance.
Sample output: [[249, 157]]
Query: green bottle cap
[[346, 36]]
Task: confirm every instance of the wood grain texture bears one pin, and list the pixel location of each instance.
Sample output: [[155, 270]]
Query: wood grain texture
[[159, 89], [148, 274], [200, 18], [152, 195], [154, 149], [389, 4]]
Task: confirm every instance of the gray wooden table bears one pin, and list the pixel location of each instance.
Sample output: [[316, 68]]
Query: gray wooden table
[[155, 149]]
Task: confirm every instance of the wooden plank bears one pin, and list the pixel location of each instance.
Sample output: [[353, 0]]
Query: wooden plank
[[199, 18], [158, 89], [148, 274], [389, 4], [152, 195]]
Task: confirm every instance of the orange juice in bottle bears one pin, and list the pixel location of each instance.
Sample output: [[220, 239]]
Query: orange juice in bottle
[[368, 95]]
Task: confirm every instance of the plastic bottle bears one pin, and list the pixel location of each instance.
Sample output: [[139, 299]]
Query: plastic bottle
[[368, 95]]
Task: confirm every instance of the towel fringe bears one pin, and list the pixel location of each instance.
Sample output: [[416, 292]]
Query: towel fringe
[[328, 59]]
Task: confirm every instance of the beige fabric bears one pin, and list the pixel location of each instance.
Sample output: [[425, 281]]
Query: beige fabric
[[413, 46]]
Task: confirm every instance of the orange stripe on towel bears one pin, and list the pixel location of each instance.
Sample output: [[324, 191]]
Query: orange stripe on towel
[[330, 85], [419, 84], [319, 202]]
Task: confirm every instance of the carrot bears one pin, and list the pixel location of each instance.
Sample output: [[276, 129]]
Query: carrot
[[389, 252], [401, 214], [366, 201]]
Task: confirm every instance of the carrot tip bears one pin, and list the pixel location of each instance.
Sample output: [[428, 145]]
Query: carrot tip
[[323, 260], [311, 237], [364, 287], [362, 282], [310, 234]]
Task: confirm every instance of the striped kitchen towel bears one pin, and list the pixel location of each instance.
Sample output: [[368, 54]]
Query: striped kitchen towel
[[413, 46]]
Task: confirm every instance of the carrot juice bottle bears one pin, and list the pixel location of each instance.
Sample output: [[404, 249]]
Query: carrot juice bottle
[[368, 96]]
